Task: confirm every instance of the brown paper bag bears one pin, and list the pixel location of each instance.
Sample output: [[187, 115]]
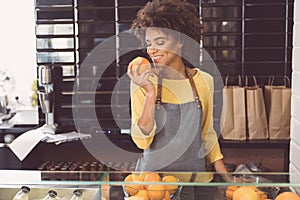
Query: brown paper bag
[[267, 93], [256, 112], [233, 115], [278, 104]]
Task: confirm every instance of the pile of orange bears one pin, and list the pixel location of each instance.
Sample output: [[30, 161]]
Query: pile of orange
[[287, 196], [144, 191], [253, 193], [245, 193]]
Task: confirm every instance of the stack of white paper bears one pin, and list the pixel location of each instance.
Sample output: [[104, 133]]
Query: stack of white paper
[[23, 144]]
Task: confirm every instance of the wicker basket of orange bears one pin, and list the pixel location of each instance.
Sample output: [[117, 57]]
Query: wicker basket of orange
[[142, 186]]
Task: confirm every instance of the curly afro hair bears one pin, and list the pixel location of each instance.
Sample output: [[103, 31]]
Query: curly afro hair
[[177, 15]]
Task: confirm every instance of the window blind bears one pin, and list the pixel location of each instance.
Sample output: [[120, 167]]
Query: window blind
[[56, 48], [249, 37], [243, 37]]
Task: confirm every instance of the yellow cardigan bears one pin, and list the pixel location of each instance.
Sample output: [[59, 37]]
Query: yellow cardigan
[[179, 92]]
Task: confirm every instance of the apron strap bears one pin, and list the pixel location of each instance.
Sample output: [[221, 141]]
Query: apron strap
[[191, 80], [195, 92], [159, 89], [193, 177]]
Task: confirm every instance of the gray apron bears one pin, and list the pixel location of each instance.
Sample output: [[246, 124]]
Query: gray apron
[[177, 145]]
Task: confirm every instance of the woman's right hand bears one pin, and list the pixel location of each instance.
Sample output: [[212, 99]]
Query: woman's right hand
[[142, 79], [146, 118]]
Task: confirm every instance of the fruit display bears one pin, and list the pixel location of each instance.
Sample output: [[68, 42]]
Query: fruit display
[[244, 193], [142, 64], [287, 196], [142, 186], [253, 193], [141, 190]]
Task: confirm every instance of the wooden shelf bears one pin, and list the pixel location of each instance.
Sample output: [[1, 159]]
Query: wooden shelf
[[274, 154], [254, 143]]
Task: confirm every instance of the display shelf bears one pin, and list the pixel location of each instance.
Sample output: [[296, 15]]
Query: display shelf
[[37, 193], [101, 186], [254, 143], [274, 154]]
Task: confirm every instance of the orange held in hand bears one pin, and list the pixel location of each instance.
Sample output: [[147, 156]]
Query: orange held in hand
[[142, 64]]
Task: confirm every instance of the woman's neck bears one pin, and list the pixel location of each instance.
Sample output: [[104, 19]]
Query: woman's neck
[[175, 70], [182, 73]]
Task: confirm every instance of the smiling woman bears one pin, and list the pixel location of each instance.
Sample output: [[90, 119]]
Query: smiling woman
[[172, 104], [17, 39]]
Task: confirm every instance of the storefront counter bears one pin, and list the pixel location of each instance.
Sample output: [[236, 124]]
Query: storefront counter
[[104, 184]]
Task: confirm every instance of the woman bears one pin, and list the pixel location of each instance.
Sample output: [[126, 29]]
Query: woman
[[172, 104]]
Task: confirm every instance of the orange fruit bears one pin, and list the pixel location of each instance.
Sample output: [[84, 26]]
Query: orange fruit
[[287, 196], [135, 198], [167, 196], [230, 190], [143, 194], [143, 62], [152, 177], [252, 187], [132, 189], [142, 178], [170, 188], [261, 195], [244, 193], [131, 178], [156, 192]]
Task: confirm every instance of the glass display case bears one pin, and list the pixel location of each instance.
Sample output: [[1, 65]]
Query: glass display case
[[121, 185]]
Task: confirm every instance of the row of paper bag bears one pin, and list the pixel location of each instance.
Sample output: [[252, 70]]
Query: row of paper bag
[[251, 112]]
